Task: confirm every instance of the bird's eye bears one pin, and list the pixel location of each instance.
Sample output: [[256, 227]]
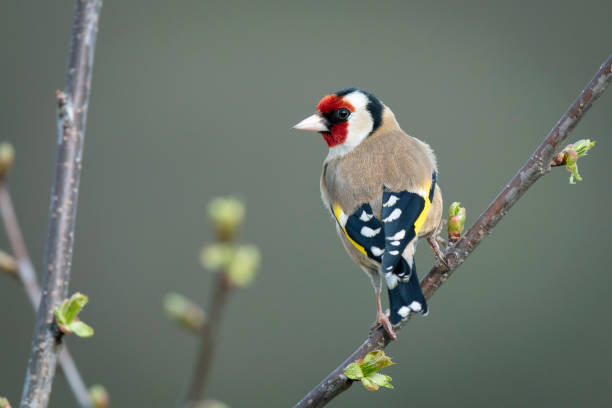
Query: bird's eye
[[343, 113]]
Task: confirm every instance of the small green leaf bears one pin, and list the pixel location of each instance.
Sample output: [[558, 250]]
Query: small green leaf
[[369, 384], [80, 329], [582, 146], [381, 380], [353, 371], [60, 312], [70, 308], [75, 305], [66, 316], [375, 361]]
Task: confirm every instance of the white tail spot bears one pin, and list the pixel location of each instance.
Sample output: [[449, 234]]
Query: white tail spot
[[403, 311]]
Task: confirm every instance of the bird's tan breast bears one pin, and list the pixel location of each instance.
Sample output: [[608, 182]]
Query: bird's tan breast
[[394, 160]]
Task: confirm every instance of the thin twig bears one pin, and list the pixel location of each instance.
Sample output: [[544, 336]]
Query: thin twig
[[27, 276], [72, 116], [25, 269], [538, 165], [210, 334]]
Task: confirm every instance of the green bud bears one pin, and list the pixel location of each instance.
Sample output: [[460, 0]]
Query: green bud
[[572, 153], [4, 403], [211, 404], [454, 208], [227, 215], [67, 319], [99, 396], [456, 221], [217, 256], [241, 270], [571, 157], [366, 370], [184, 312], [7, 157], [8, 264]]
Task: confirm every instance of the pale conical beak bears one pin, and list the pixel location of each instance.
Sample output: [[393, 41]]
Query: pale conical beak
[[314, 123]]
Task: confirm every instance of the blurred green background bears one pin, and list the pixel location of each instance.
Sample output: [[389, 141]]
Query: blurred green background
[[195, 99]]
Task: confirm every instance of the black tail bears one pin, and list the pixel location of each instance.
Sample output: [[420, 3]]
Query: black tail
[[406, 296]]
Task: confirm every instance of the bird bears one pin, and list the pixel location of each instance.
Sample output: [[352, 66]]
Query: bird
[[380, 186]]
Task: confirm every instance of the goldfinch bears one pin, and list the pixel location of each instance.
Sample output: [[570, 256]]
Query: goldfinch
[[380, 186]]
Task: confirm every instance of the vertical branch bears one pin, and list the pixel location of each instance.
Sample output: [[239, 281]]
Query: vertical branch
[[210, 333], [72, 115], [27, 276]]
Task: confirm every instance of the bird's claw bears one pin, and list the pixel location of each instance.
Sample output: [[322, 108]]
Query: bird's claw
[[383, 320], [433, 242]]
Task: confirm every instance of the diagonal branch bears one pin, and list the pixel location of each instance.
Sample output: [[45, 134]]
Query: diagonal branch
[[27, 276], [72, 116], [537, 166]]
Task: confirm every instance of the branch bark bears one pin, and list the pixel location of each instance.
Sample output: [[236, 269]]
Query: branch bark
[[210, 334], [27, 276], [537, 166], [72, 116]]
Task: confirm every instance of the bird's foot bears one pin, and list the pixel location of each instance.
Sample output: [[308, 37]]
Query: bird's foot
[[383, 320], [433, 242]]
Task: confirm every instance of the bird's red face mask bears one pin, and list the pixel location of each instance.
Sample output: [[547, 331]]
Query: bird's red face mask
[[331, 120]]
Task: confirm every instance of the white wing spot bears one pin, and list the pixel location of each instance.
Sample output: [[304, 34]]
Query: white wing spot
[[395, 243], [395, 214], [399, 235], [377, 251], [389, 267], [394, 252], [365, 217], [391, 280], [403, 311], [391, 201], [369, 232]]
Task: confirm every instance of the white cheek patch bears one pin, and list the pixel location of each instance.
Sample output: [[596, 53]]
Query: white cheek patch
[[360, 123]]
